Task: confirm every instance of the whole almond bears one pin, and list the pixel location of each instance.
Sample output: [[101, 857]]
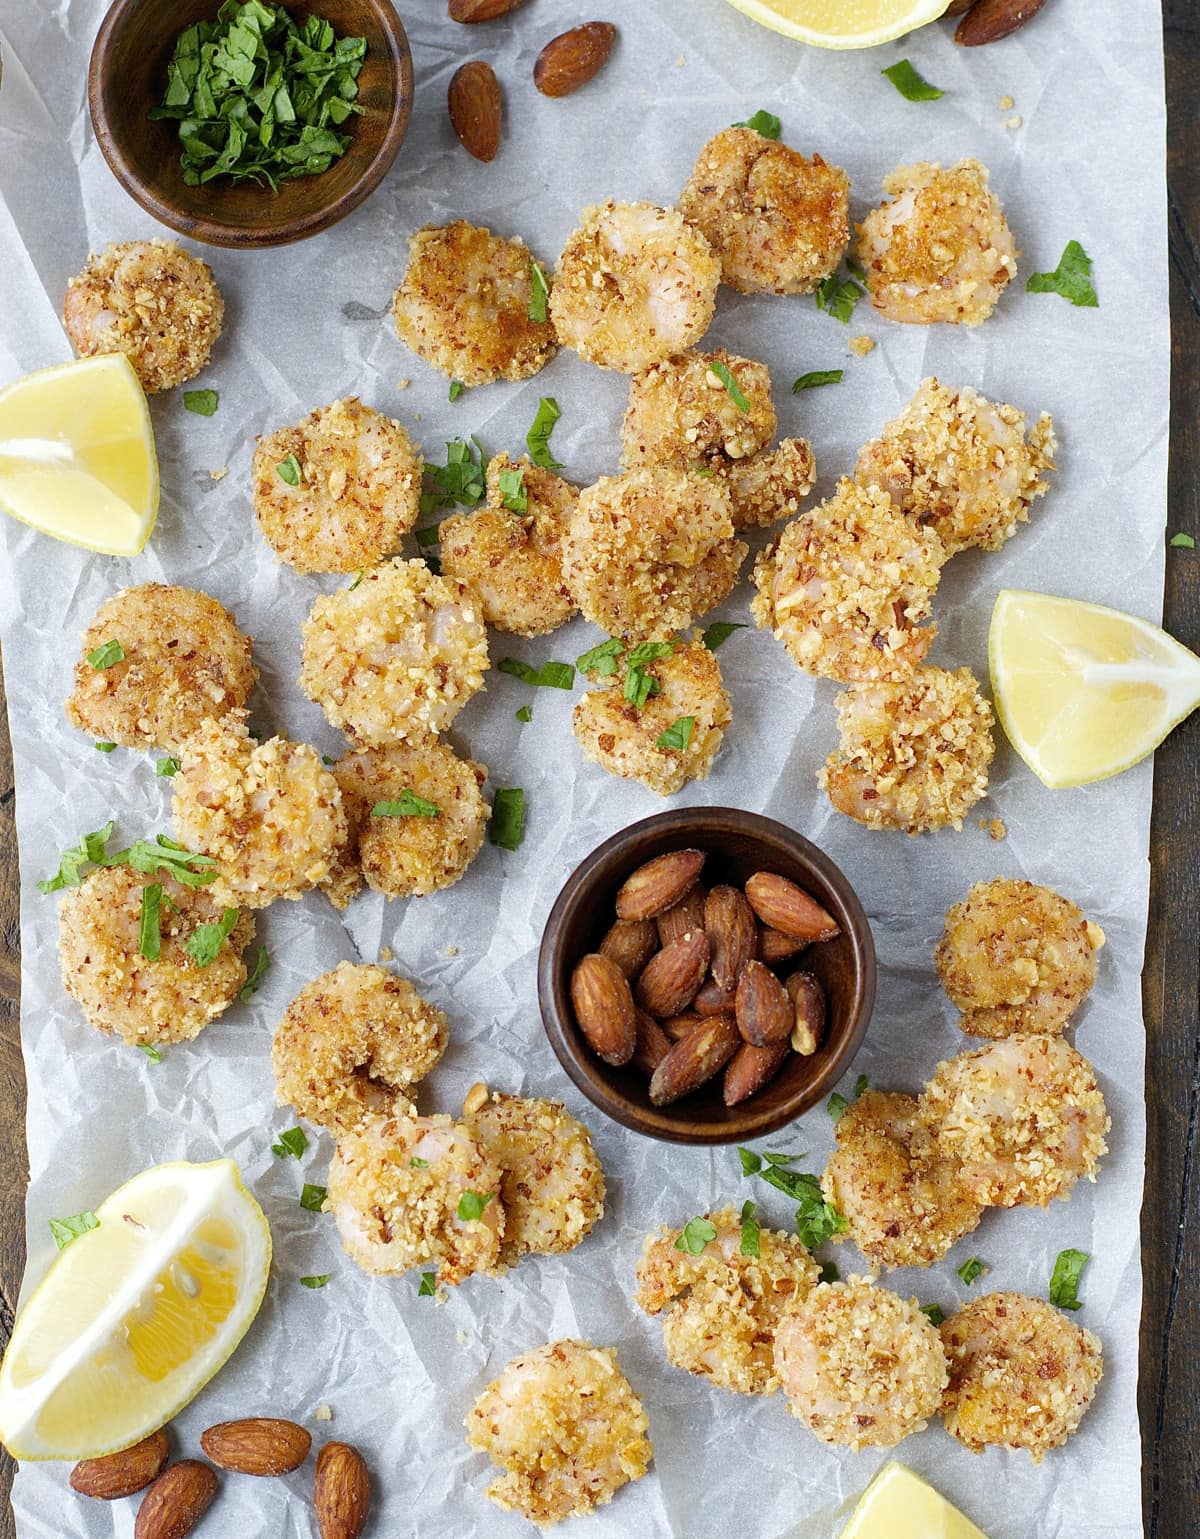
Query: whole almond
[[571, 59], [682, 917], [653, 1044], [808, 1001], [677, 1026], [476, 108], [672, 978], [782, 905], [694, 1060], [342, 1492], [630, 943], [659, 884], [751, 1068], [481, 10], [775, 947], [115, 1475], [257, 1445], [176, 1501], [712, 1000], [957, 7], [990, 20], [764, 1011], [603, 1005], [732, 934]]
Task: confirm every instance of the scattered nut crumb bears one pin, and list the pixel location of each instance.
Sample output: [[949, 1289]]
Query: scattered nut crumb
[[461, 1337], [1095, 935], [386, 954], [323, 1413], [1013, 122], [218, 475], [1007, 104], [403, 384], [450, 951], [476, 1099], [680, 62], [861, 346], [996, 829]]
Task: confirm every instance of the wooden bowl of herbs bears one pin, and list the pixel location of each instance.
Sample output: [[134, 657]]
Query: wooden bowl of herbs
[[253, 122]]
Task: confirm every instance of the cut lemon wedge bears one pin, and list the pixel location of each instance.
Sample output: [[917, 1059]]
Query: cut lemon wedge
[[900, 1505], [77, 457], [136, 1315], [1083, 692], [842, 23]]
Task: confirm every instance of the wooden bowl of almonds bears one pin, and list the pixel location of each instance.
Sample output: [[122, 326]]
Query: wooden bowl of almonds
[[706, 975]]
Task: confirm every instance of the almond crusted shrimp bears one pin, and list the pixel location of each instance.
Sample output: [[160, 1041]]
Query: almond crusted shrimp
[[914, 755], [396, 655], [634, 285], [1024, 1118], [723, 1307], [463, 305], [941, 250], [846, 587], [184, 662], [771, 484], [565, 1426], [152, 301], [778, 221]]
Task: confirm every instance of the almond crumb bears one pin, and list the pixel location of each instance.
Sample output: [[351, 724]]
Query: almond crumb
[[1013, 122], [861, 346], [218, 475], [996, 829], [323, 1413], [450, 951], [680, 62], [386, 954], [1095, 935], [403, 384], [476, 1099], [1006, 104]]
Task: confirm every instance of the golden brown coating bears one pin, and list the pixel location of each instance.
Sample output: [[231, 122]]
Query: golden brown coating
[[185, 663], [771, 485], [463, 305], [778, 221], [681, 413]]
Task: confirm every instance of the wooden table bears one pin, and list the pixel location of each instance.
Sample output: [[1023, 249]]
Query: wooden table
[[1170, 1341]]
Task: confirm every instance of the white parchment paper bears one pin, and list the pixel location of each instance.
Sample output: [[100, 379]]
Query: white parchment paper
[[308, 324]]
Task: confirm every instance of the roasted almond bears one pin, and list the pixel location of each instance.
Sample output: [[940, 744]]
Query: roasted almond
[[712, 1000], [342, 1492], [682, 917], [957, 7], [751, 1068], [775, 947], [481, 10], [653, 1044], [764, 1011], [630, 943], [732, 934], [176, 1501], [603, 1006], [659, 884], [808, 1002], [677, 1026], [571, 59], [257, 1445], [990, 20], [672, 978], [694, 1060], [115, 1475], [476, 108], [782, 905]]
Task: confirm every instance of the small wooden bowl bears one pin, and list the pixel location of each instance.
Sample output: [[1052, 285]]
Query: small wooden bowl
[[127, 77], [738, 844]]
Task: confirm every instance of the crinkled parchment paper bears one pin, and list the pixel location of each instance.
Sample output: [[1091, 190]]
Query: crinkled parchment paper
[[310, 323]]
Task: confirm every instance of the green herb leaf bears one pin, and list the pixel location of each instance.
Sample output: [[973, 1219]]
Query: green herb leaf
[[357, 583], [456, 389], [816, 1219], [778, 1157], [537, 439], [551, 675], [167, 767], [206, 940], [471, 1205], [105, 747], [163, 855], [837, 1106], [720, 631], [602, 660], [828, 1272], [525, 713], [507, 826], [461, 480], [106, 655], [512, 490], [911, 84], [732, 388], [838, 297], [150, 1051], [291, 1145], [639, 686], [971, 1270], [312, 1197], [751, 1229], [289, 470], [408, 805], [539, 293], [1064, 1283], [428, 1288], [1177, 542], [935, 1312], [417, 1163], [764, 123], [861, 1084], [257, 968], [1072, 278], [679, 734], [816, 377], [317, 1281], [751, 1162], [150, 938], [202, 402], [65, 1230], [695, 1235]]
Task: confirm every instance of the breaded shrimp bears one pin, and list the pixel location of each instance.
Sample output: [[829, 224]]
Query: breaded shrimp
[[270, 814], [860, 1366], [1021, 1374], [635, 284], [352, 1046], [681, 413], [564, 1424], [1016, 958], [901, 1196], [463, 305], [119, 989], [1024, 1118], [941, 250], [914, 755], [356, 491], [510, 551], [961, 465], [152, 301], [185, 662], [846, 587], [723, 1306], [648, 552], [396, 655], [771, 484], [778, 221]]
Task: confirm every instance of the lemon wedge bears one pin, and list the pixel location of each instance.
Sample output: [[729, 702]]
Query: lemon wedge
[[1082, 691], [842, 23], [77, 457], [136, 1315], [900, 1505]]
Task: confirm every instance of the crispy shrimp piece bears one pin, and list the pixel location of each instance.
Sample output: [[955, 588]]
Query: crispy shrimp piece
[[1021, 1374], [551, 1183], [901, 1195], [396, 655], [635, 284], [185, 662], [648, 552], [270, 814], [353, 1044], [961, 465], [914, 755], [357, 488], [691, 700], [847, 585], [1024, 1118], [152, 301], [416, 1191], [778, 221], [463, 305], [771, 485], [941, 250], [169, 999], [723, 1307], [510, 551], [564, 1424], [1016, 959], [681, 413], [860, 1366]]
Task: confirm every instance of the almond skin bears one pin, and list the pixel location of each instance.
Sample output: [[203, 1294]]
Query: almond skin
[[476, 108], [176, 1501], [990, 20], [765, 1013], [808, 1002], [257, 1445], [121, 1474], [672, 978], [571, 59], [712, 1000], [694, 1060], [784, 906], [630, 944], [732, 934], [659, 884], [653, 1044], [751, 1068], [957, 7], [481, 10], [677, 1026], [604, 1008], [775, 947], [685, 916], [342, 1492]]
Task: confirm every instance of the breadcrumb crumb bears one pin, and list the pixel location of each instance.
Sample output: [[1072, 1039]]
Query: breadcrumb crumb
[[861, 346]]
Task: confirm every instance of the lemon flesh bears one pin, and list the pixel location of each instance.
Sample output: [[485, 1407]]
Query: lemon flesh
[[842, 23], [900, 1505], [77, 457], [1082, 691], [134, 1317]]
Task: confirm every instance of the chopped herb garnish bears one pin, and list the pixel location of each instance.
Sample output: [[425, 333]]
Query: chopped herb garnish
[[1064, 1283], [417, 1163], [525, 714], [860, 1085], [105, 747], [165, 855], [601, 660], [778, 1157], [65, 1230], [150, 1051], [407, 805], [507, 825], [538, 437], [150, 938], [764, 123], [751, 1162], [257, 968], [539, 293], [695, 1235], [679, 734], [428, 534], [751, 1229], [471, 1205], [206, 940], [460, 480], [816, 377], [312, 1197], [357, 583], [1072, 278], [428, 1287], [106, 655], [1177, 542], [971, 1270], [291, 1145], [855, 268], [911, 84], [202, 402], [639, 686], [816, 1219], [167, 767], [512, 490], [456, 389], [720, 631], [317, 1281], [289, 470], [935, 1312], [828, 1272], [550, 675], [837, 1106], [732, 388], [838, 297]]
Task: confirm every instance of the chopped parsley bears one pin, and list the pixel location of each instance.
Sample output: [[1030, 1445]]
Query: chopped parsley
[[838, 297], [65, 1230], [679, 734], [357, 583], [317, 1281], [462, 479], [291, 1145], [539, 293], [816, 1219], [935, 1312], [751, 1229], [428, 1287], [861, 1084], [407, 805], [106, 655], [537, 439], [456, 389], [1064, 1283], [150, 936], [167, 767], [512, 490], [165, 855], [751, 1162], [150, 1051], [257, 968], [507, 826], [551, 675], [417, 1163], [1177, 542], [732, 388], [202, 402], [525, 714], [720, 631], [471, 1205], [695, 1235], [312, 1197], [972, 1270], [1071, 279], [828, 1272], [206, 940], [764, 123], [816, 377], [289, 470], [837, 1106], [911, 84], [602, 660], [640, 685], [105, 747]]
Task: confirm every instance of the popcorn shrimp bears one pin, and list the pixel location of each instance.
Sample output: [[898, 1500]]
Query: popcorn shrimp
[[771, 484], [681, 413]]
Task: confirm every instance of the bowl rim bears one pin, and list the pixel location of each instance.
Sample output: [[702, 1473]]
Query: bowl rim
[[553, 1003], [211, 229]]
